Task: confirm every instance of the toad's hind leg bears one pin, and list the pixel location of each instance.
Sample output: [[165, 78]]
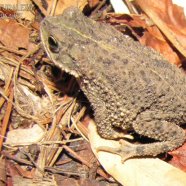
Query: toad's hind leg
[[170, 136], [108, 131]]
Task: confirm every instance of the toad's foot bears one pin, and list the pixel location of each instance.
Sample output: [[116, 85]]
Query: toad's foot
[[125, 151], [128, 150]]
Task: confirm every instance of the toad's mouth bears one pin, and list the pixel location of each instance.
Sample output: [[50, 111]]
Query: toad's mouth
[[64, 67]]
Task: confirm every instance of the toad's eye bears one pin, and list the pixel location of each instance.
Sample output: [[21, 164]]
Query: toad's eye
[[53, 44]]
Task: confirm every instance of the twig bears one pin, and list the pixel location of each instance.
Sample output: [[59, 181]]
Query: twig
[[76, 155], [13, 51], [6, 154], [52, 8], [39, 5], [130, 7], [6, 91], [32, 160], [42, 143], [6, 117], [14, 63], [100, 172], [98, 7]]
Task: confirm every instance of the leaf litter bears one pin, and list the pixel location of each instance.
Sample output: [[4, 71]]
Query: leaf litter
[[40, 122]]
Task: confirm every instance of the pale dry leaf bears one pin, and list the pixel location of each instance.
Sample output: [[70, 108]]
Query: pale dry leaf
[[135, 171], [24, 136], [119, 7]]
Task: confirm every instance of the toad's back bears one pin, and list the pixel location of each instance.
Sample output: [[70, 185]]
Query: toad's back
[[128, 85]]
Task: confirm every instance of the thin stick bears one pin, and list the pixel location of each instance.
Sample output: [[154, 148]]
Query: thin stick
[[6, 92], [76, 156], [44, 12], [13, 51], [52, 9], [6, 117]]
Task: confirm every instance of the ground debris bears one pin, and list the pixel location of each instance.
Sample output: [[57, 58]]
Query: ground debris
[[43, 124]]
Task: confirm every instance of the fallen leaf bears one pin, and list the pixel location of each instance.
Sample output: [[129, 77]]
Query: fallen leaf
[[2, 172], [24, 173], [61, 180], [24, 136], [131, 20], [63, 4], [13, 35], [169, 18], [139, 21], [179, 158], [19, 180], [16, 170]]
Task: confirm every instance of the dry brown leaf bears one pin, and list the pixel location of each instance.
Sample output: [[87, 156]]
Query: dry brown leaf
[[13, 35], [11, 170], [179, 157], [169, 18], [131, 20], [2, 172], [61, 180], [139, 21], [21, 181], [63, 4], [24, 172]]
